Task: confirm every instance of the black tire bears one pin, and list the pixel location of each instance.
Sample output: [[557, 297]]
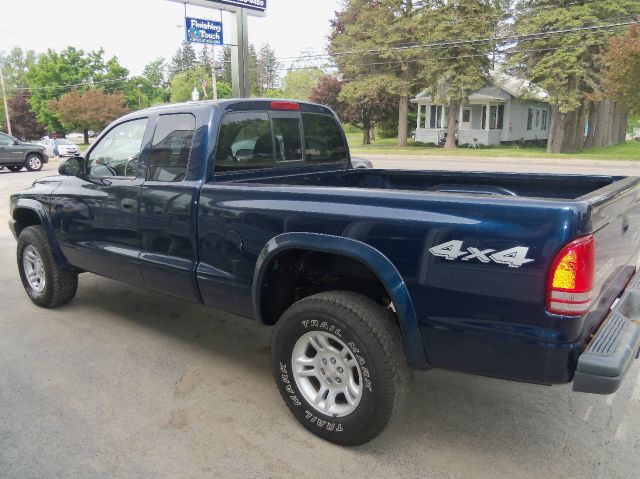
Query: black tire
[[14, 169], [60, 285], [372, 336], [34, 162]]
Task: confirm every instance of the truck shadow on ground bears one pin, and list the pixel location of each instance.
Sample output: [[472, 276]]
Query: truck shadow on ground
[[474, 416]]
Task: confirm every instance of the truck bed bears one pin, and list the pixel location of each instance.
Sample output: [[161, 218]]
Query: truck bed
[[482, 183]]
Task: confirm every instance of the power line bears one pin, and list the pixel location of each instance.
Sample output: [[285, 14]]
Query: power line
[[497, 40]]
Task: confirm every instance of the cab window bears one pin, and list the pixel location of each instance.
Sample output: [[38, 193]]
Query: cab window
[[245, 142], [5, 139], [323, 140], [171, 147], [288, 144], [118, 152]]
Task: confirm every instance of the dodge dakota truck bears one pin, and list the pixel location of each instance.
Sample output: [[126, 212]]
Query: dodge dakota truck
[[253, 207]]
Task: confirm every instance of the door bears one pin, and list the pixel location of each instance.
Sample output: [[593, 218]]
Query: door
[[96, 217], [5, 148], [167, 209], [466, 119]]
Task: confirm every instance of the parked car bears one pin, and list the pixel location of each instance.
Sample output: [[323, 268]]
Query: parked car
[[60, 147], [15, 154], [361, 163], [365, 274]]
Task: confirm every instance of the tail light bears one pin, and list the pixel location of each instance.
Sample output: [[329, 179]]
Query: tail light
[[285, 105], [570, 284]]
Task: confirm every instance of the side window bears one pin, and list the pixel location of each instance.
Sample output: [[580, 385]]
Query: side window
[[118, 151], [171, 147], [287, 139], [323, 141], [245, 142], [5, 140]]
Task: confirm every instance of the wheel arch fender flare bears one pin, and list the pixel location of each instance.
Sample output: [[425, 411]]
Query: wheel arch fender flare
[[34, 206], [377, 262]]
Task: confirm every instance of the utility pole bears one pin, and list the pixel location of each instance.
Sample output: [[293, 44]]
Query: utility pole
[[6, 107], [214, 80]]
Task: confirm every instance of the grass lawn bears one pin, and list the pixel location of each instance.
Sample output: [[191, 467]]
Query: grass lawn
[[387, 146]]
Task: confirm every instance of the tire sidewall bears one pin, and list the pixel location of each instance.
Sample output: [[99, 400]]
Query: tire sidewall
[[336, 429], [28, 162], [26, 238]]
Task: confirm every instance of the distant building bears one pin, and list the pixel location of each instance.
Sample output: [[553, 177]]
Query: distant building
[[507, 110]]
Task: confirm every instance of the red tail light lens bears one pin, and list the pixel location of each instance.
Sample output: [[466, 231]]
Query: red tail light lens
[[285, 105], [570, 284]]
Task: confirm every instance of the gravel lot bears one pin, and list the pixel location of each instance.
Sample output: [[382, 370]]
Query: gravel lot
[[124, 383]]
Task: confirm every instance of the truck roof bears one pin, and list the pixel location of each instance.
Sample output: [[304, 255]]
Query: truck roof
[[241, 104]]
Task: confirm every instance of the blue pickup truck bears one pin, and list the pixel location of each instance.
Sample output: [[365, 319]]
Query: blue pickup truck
[[253, 207]]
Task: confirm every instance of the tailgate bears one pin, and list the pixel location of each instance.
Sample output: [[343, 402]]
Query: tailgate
[[615, 222]]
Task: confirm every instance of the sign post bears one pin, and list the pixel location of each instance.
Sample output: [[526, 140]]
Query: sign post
[[238, 31]]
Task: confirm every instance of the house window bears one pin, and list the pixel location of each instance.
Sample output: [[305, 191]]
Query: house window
[[496, 117], [537, 117], [530, 120], [436, 119], [544, 120], [466, 116]]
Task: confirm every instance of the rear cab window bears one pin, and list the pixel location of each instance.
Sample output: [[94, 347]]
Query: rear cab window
[[171, 147], [261, 140]]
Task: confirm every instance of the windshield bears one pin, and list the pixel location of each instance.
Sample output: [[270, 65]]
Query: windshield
[[63, 142]]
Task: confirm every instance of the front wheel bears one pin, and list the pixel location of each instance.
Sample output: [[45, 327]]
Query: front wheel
[[338, 360], [45, 282], [34, 163]]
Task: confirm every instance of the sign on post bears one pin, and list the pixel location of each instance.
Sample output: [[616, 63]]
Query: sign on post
[[259, 5], [203, 31]]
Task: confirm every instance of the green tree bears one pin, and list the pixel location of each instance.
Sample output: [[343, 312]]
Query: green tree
[[184, 59], [457, 70], [298, 84], [365, 41], [183, 83], [568, 65], [53, 75], [367, 101], [268, 67]]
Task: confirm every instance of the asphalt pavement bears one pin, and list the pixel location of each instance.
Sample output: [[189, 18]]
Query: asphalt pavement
[[125, 383]]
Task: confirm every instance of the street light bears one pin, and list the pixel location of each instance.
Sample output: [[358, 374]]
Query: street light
[[139, 98]]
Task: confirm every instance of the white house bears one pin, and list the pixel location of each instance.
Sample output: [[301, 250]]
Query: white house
[[508, 109]]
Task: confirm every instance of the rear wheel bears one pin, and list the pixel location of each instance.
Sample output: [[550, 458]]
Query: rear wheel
[[34, 163], [14, 169], [45, 282], [338, 360]]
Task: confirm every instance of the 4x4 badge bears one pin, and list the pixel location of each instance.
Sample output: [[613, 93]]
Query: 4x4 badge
[[512, 257]]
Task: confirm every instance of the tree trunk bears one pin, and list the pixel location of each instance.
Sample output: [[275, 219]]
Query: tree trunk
[[373, 133], [366, 135], [556, 132], [403, 120], [454, 108], [598, 138], [86, 136], [591, 133]]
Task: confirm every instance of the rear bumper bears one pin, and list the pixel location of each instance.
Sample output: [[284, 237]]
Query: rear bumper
[[603, 365]]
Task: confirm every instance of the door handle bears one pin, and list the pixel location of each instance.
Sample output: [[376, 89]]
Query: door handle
[[129, 204]]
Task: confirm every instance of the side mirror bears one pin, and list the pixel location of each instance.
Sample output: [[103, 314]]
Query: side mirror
[[74, 166]]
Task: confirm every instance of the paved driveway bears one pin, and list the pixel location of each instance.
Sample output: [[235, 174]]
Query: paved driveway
[[123, 383]]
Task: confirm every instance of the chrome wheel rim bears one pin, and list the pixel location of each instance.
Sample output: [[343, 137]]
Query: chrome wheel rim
[[34, 162], [327, 373], [33, 268]]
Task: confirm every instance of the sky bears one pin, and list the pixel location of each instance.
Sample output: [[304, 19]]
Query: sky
[[138, 31]]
